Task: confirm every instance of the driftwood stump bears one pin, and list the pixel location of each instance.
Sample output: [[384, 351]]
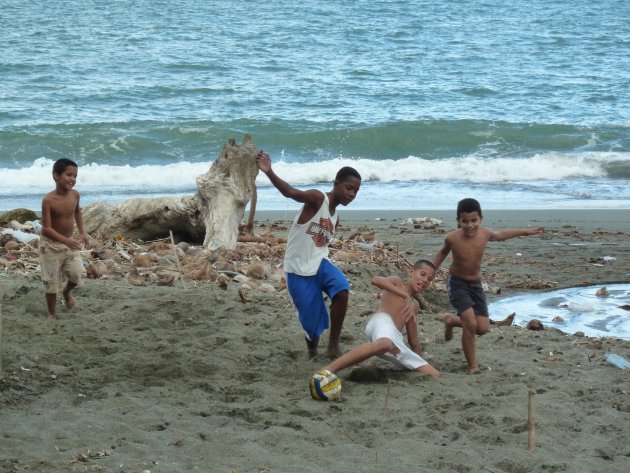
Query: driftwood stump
[[211, 216]]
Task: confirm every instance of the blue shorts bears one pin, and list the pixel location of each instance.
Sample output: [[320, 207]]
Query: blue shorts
[[306, 294], [465, 294]]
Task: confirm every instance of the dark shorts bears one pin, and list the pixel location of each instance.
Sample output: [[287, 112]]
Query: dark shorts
[[465, 294]]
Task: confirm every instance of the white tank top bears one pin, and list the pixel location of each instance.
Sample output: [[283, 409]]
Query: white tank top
[[307, 243]]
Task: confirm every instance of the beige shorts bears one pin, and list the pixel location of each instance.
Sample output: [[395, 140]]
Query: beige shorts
[[58, 263]]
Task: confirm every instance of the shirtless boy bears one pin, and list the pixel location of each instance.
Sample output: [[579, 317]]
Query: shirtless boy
[[58, 250], [309, 271], [467, 245], [397, 310]]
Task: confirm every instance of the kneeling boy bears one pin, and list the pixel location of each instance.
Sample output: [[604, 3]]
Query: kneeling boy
[[397, 310]]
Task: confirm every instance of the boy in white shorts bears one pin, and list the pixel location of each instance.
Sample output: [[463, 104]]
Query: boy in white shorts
[[397, 310]]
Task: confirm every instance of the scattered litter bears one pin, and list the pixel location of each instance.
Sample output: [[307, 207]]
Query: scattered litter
[[617, 360], [609, 258], [20, 236]]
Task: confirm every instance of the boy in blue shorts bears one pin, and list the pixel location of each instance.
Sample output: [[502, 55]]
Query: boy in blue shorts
[[309, 271], [468, 244]]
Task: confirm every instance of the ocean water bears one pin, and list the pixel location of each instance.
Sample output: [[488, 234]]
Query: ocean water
[[519, 104], [571, 310]]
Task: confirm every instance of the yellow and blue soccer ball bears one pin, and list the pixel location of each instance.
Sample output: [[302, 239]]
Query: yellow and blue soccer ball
[[325, 386]]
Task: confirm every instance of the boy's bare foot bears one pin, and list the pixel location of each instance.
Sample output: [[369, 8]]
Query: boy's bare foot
[[333, 352], [474, 371], [69, 301], [448, 327], [52, 316], [509, 320]]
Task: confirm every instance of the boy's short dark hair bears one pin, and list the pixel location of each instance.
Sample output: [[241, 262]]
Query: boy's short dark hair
[[468, 205], [423, 262], [346, 172], [61, 164]]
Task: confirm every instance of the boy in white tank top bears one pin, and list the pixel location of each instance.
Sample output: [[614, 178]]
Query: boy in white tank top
[[309, 271]]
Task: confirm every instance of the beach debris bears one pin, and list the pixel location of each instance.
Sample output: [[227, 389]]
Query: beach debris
[[223, 280], [84, 457], [426, 223], [506, 322], [96, 269], [602, 260], [135, 278], [144, 260], [491, 289], [20, 215], [617, 360], [532, 283], [602, 292], [243, 294], [210, 215], [20, 235], [166, 277], [535, 324]]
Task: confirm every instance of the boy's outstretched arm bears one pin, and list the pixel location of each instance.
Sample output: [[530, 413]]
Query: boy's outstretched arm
[[441, 254], [503, 235], [309, 197]]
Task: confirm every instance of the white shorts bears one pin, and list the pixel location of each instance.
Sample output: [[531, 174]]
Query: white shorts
[[381, 325]]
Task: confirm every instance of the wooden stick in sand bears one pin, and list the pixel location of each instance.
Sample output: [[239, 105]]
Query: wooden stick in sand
[[531, 423]]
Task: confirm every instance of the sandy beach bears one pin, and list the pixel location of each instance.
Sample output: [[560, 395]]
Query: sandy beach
[[197, 377]]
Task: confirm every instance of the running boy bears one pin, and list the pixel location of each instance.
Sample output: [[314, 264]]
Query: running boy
[[58, 250], [309, 271], [468, 244], [397, 310]]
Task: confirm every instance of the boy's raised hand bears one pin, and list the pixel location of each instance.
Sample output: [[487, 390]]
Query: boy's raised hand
[[263, 161]]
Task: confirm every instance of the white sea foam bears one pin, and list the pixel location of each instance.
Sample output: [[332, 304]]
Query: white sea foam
[[542, 181], [541, 167]]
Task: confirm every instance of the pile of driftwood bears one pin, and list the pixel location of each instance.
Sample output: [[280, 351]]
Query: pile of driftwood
[[256, 260]]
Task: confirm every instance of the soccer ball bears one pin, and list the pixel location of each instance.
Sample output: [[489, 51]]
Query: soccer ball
[[325, 386]]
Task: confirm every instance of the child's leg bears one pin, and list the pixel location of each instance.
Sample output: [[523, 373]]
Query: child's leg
[[311, 346], [472, 326], [428, 369], [67, 296], [469, 333], [51, 304], [450, 322], [361, 353], [338, 309]]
